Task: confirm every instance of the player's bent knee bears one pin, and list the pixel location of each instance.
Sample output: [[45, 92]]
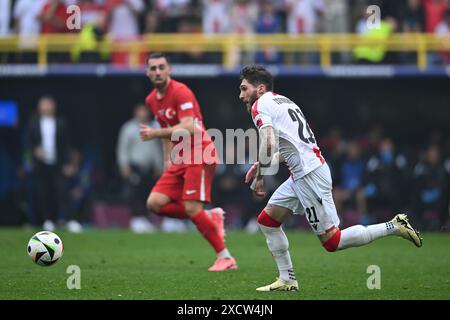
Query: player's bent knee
[[266, 220], [154, 203], [332, 244]]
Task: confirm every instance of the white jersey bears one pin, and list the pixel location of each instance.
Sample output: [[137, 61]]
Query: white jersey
[[297, 144]]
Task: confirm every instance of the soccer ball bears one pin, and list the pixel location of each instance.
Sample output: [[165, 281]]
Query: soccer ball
[[45, 248]]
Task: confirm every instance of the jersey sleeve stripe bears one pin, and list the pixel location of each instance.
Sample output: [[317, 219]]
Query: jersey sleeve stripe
[[319, 155], [255, 112]]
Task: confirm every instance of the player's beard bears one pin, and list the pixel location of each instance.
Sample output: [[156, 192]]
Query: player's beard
[[251, 100], [160, 85]]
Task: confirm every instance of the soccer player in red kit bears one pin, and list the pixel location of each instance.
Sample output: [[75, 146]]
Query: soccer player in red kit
[[185, 185]]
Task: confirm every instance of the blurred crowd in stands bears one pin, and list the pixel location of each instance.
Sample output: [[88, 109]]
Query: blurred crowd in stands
[[58, 183], [52, 182], [125, 20]]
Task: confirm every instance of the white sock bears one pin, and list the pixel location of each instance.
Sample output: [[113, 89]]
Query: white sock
[[279, 247], [224, 254], [359, 235]]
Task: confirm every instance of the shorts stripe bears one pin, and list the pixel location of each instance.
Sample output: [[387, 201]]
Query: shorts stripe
[[202, 186]]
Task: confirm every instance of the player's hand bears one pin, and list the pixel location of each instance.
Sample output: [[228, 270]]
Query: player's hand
[[147, 133], [125, 171], [251, 173], [258, 187]]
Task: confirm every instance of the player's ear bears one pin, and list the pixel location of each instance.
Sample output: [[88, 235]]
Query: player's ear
[[261, 89]]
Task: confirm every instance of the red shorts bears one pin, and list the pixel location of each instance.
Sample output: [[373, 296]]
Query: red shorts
[[187, 182]]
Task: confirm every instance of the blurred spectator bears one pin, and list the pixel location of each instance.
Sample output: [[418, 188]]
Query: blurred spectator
[[336, 16], [93, 25], [193, 54], [94, 13], [216, 16], [79, 182], [53, 17], [140, 163], [333, 147], [48, 142], [5, 17], [414, 17], [374, 53], [392, 16], [392, 10], [413, 21], [385, 183], [349, 193], [268, 22], [431, 192], [232, 194], [443, 29], [123, 24], [172, 12], [434, 13], [26, 15], [28, 26], [243, 18], [124, 18], [151, 23], [80, 176], [336, 19], [303, 17], [370, 141]]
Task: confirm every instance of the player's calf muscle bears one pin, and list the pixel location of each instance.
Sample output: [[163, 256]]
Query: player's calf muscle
[[192, 207], [156, 200]]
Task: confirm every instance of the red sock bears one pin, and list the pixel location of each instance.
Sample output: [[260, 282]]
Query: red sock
[[173, 210], [208, 230]]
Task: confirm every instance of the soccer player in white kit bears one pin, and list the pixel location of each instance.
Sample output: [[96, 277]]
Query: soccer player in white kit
[[285, 136]]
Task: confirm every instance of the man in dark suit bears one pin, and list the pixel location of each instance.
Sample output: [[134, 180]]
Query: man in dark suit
[[48, 142]]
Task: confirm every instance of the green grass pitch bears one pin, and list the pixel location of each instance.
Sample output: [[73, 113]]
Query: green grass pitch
[[120, 265]]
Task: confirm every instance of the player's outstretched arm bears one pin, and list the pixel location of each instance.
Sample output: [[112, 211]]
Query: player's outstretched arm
[[267, 150], [268, 156], [166, 144], [252, 172], [148, 133]]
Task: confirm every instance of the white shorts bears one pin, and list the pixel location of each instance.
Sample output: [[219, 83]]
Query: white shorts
[[312, 194]]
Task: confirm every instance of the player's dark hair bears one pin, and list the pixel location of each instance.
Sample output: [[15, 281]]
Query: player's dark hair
[[47, 97], [157, 55], [256, 74]]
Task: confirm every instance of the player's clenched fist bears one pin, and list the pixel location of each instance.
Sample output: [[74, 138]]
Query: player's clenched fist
[[252, 172], [257, 182], [258, 187], [146, 132]]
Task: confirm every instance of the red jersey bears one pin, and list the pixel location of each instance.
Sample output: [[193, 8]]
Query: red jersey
[[179, 102], [434, 13], [58, 23]]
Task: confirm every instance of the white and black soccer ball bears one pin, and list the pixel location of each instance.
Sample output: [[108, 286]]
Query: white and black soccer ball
[[45, 248]]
